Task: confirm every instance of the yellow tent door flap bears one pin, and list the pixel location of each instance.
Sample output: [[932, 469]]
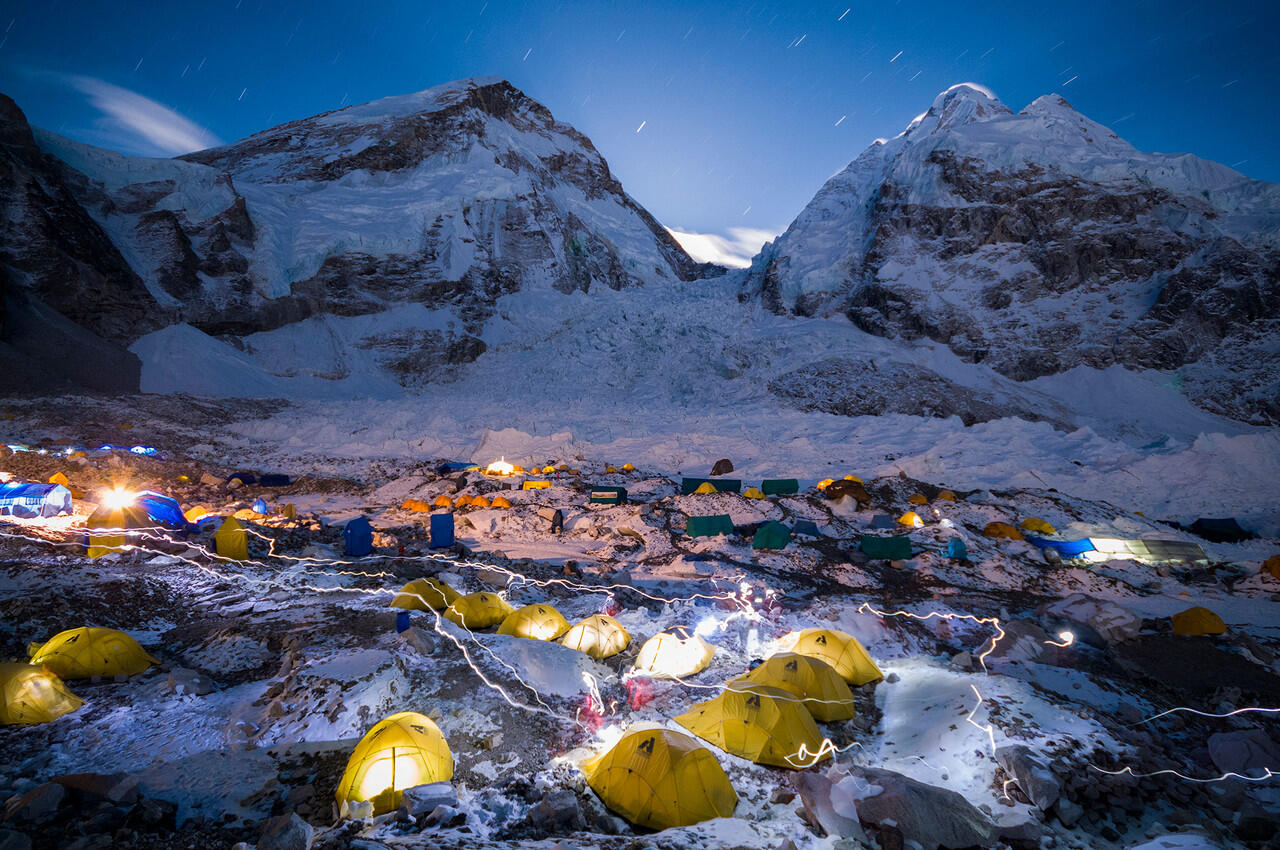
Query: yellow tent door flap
[[478, 611], [425, 594], [399, 752], [764, 724], [231, 540], [674, 654], [537, 621], [1198, 621], [846, 655], [825, 694], [31, 694], [659, 778], [84, 652], [599, 636]]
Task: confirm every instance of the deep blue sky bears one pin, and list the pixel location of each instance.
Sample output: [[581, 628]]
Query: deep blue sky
[[740, 120]]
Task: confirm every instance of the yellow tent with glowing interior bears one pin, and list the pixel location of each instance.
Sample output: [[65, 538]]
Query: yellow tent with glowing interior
[[841, 650], [659, 778], [425, 594], [824, 693], [599, 636], [674, 654], [31, 694], [911, 519], [231, 540], [84, 652], [1198, 621], [478, 611], [764, 724], [536, 621], [399, 752]]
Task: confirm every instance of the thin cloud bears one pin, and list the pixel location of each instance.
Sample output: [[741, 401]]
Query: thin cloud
[[138, 124], [734, 250]]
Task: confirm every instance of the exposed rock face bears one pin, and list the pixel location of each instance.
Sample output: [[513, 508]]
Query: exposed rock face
[[1038, 242], [397, 225]]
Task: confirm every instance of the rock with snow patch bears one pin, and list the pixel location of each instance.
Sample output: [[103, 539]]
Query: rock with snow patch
[[189, 682], [119, 788], [1096, 621], [1023, 641], [557, 811], [286, 832], [828, 807], [423, 799], [1248, 752], [932, 817], [1032, 776]]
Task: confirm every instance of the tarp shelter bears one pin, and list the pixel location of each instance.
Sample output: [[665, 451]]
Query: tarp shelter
[[761, 723], [888, 548], [599, 636], [1224, 530], [84, 652], [722, 485], [402, 751], [846, 655], [478, 611], [273, 479], [658, 779], [441, 531], [674, 654], [245, 477], [357, 537], [1198, 621], [709, 526], [780, 486], [536, 622], [146, 510], [806, 528], [29, 500], [824, 692], [771, 535], [231, 540], [1065, 548], [535, 485], [1148, 550], [602, 495], [956, 549], [260, 506], [31, 694], [425, 594], [1001, 530]]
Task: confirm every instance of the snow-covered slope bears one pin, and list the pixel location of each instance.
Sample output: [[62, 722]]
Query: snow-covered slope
[[1040, 241]]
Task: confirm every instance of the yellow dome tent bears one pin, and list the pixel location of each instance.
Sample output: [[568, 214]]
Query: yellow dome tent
[[480, 502], [500, 502], [231, 540], [946, 496], [674, 654], [911, 519], [1271, 566], [658, 778], [399, 752], [462, 501], [705, 487], [59, 478], [764, 724], [417, 506], [537, 622], [627, 467], [610, 470], [1198, 621], [30, 694], [84, 652], [853, 478], [825, 483], [442, 501], [425, 594], [917, 499], [1002, 530], [599, 636], [841, 650], [753, 493], [478, 611], [825, 694], [1038, 525]]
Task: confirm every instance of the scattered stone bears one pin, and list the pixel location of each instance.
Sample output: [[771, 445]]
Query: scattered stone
[[286, 832], [1247, 752], [1023, 641], [930, 816], [962, 661], [1032, 776], [782, 796], [153, 815], [37, 805], [1095, 621], [556, 811], [423, 799], [419, 640], [188, 682], [1068, 812], [446, 817], [1254, 823], [818, 796], [12, 840], [119, 788]]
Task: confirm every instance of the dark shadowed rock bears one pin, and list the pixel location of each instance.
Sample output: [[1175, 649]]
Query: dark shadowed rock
[[1031, 775], [931, 816], [286, 832]]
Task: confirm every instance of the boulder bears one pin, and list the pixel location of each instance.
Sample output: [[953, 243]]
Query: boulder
[[722, 467], [1031, 775], [556, 811], [833, 810], [38, 805], [13, 840], [1023, 641], [118, 788], [1068, 812], [930, 816], [188, 682], [1095, 621], [423, 799], [286, 832], [1248, 752]]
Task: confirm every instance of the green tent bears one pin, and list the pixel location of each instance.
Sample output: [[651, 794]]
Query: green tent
[[889, 548], [602, 495], [771, 535], [722, 485], [779, 486], [709, 526]]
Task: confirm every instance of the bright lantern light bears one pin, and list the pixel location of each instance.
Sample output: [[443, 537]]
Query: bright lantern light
[[500, 467], [393, 772], [118, 498], [707, 627]]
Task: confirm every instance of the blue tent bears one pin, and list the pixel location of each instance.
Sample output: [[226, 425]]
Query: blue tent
[[806, 527], [1065, 548], [358, 536], [883, 521], [260, 505], [161, 509], [441, 531], [29, 500], [956, 549]]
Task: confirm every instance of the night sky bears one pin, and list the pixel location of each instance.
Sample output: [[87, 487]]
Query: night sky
[[720, 118]]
